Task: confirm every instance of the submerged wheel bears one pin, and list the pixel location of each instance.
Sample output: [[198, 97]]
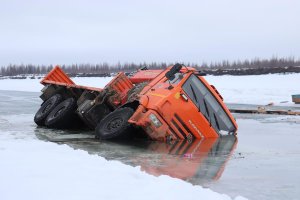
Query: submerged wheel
[[115, 125], [63, 115], [46, 108]]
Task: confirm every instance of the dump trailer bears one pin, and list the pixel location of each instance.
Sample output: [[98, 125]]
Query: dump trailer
[[172, 104]]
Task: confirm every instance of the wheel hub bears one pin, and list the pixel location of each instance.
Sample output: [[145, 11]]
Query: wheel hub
[[115, 124]]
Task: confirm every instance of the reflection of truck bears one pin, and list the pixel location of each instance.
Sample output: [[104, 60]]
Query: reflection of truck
[[172, 104], [198, 162]]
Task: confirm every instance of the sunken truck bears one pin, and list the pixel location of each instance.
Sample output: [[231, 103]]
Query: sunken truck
[[172, 104]]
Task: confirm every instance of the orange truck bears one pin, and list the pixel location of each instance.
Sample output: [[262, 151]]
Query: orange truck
[[172, 104]]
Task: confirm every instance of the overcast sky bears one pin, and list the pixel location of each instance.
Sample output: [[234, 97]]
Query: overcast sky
[[93, 31]]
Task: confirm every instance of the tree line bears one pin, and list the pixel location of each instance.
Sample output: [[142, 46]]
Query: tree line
[[105, 68]]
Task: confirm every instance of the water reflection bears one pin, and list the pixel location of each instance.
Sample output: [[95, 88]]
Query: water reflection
[[199, 162]]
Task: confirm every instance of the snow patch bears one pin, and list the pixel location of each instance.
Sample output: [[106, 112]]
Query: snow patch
[[32, 169], [257, 89]]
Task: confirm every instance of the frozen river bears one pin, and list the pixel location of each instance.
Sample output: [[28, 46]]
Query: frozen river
[[263, 163]]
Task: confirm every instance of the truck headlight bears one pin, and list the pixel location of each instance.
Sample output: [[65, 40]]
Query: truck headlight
[[155, 120]]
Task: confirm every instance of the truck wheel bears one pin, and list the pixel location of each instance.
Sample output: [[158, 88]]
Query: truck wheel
[[46, 108], [63, 115], [115, 125]]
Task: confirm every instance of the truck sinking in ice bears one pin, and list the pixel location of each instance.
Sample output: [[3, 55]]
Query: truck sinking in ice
[[172, 104]]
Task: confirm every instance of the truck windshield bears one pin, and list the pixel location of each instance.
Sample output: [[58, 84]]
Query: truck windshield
[[208, 105]]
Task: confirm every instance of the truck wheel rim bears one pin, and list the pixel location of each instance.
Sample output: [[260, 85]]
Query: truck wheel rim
[[114, 124]]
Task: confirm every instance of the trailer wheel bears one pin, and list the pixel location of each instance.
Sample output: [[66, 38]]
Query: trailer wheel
[[46, 108], [63, 115], [115, 125]]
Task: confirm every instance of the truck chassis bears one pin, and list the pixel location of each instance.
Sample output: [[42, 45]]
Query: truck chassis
[[146, 103]]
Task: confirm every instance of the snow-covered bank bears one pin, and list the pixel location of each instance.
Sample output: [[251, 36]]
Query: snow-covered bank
[[258, 89], [33, 169]]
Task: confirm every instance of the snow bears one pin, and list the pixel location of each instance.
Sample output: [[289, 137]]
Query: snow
[[33, 169], [94, 82], [257, 89]]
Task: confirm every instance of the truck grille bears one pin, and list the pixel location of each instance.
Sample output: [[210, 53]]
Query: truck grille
[[190, 135], [178, 128]]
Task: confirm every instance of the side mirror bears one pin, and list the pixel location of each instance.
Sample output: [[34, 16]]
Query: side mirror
[[170, 75]]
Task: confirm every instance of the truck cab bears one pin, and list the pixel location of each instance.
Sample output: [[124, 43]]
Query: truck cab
[[180, 104]]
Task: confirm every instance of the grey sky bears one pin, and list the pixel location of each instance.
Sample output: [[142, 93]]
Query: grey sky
[[93, 31]]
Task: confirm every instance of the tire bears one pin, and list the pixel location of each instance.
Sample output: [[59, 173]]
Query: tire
[[46, 108], [115, 125], [63, 115]]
